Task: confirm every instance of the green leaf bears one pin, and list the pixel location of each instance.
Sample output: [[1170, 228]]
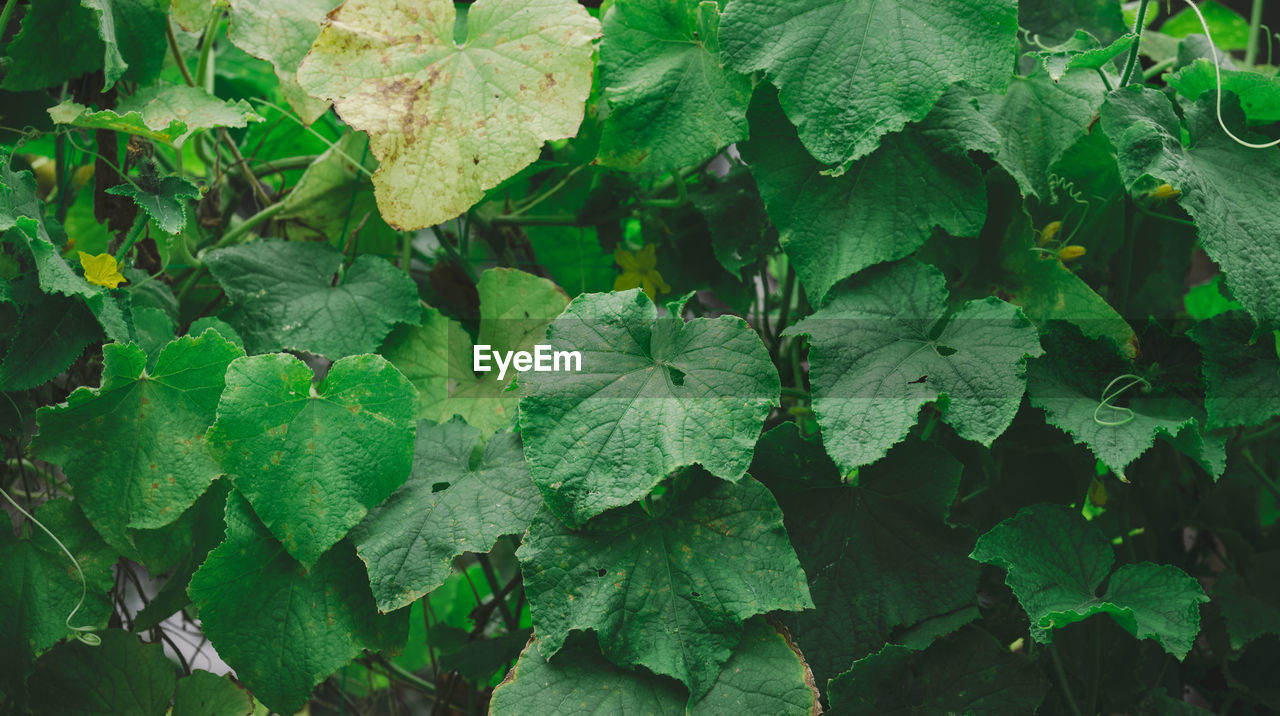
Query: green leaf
[[741, 232], [449, 120], [1056, 561], [840, 65], [22, 224], [438, 355], [667, 592], [765, 675], [881, 349], [119, 676], [1249, 600], [1242, 375], [282, 32], [457, 499], [1230, 29], [672, 102], [281, 627], [49, 334], [133, 38], [57, 41], [1084, 52], [165, 203], [284, 297], [166, 113], [133, 448], [881, 559], [1231, 212], [1206, 300], [884, 208], [653, 395], [312, 459], [39, 587], [1259, 94], [1068, 383], [967, 673], [206, 694], [1029, 127]]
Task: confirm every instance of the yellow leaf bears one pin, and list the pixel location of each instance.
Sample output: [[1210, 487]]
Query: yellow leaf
[[101, 270]]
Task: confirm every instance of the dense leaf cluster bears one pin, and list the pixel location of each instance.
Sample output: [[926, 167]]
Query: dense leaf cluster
[[930, 357]]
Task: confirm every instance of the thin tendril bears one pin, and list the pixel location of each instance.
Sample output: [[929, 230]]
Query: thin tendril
[[1109, 395], [1033, 38], [83, 633], [1217, 68]]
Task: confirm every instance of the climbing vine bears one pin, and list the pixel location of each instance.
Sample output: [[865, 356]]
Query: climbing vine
[[694, 356]]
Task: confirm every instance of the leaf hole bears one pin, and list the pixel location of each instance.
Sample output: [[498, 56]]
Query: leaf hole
[[944, 350], [440, 487], [677, 375], [601, 572], [918, 381]]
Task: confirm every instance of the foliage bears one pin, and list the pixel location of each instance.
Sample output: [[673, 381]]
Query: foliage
[[940, 371]]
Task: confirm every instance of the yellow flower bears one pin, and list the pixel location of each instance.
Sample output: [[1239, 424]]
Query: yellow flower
[[640, 270], [101, 270]]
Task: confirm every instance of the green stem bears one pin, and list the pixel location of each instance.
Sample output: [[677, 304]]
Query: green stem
[[1255, 23], [1259, 435], [396, 671], [1261, 475], [1158, 67], [177, 53], [5, 16], [139, 225], [551, 220], [499, 594], [406, 252], [796, 393], [241, 232], [1133, 51], [1106, 81], [456, 257], [1062, 674], [204, 69], [681, 198], [277, 166]]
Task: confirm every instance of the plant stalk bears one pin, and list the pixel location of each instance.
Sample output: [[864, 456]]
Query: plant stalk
[[1255, 24], [239, 233], [1137, 43], [5, 16]]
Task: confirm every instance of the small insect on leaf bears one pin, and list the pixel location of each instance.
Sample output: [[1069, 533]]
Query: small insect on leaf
[[101, 270], [1069, 253], [1048, 233]]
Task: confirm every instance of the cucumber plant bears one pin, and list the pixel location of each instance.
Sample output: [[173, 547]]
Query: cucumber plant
[[918, 357]]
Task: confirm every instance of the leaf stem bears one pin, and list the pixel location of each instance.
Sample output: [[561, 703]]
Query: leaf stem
[[204, 68], [241, 231], [1133, 51], [177, 53], [278, 166], [1062, 674], [1257, 471], [5, 16], [1255, 23], [499, 594], [139, 225]]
